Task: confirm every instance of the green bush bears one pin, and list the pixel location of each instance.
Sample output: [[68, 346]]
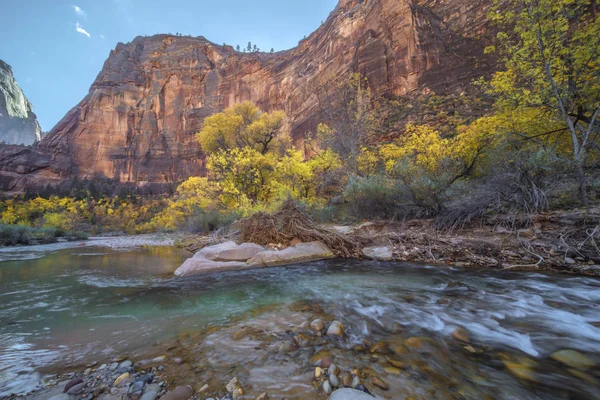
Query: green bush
[[207, 221], [375, 197]]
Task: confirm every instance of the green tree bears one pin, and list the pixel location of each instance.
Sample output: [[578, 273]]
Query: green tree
[[249, 48], [550, 51]]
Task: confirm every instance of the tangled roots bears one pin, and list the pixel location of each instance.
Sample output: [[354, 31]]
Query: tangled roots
[[291, 222]]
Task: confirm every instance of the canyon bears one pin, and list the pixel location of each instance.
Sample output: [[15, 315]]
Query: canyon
[[138, 122]]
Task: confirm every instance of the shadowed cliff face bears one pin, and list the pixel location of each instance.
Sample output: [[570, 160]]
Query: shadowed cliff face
[[138, 122], [18, 123]]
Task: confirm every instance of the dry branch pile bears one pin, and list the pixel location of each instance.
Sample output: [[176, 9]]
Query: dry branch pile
[[291, 222]]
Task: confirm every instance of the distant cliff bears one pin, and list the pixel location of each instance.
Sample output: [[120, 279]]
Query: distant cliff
[[138, 121], [18, 123]]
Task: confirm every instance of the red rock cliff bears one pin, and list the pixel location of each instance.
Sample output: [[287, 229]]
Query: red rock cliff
[[137, 123]]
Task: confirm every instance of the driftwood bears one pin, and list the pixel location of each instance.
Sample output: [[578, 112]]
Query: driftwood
[[292, 223]]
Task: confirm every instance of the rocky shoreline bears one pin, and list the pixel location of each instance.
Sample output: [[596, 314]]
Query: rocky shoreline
[[319, 358]]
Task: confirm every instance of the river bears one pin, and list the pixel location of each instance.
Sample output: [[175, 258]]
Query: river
[[65, 305]]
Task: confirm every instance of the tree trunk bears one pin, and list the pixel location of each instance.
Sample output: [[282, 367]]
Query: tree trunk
[[582, 186]]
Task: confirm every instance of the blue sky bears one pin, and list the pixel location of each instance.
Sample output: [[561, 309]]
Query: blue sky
[[57, 47]]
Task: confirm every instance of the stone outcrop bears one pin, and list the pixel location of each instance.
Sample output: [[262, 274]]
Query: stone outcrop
[[138, 122], [18, 123]]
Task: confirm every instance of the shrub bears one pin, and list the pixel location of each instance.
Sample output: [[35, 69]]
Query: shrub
[[375, 197]]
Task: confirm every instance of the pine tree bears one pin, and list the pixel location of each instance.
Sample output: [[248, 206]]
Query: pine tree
[[249, 46], [237, 48], [272, 50]]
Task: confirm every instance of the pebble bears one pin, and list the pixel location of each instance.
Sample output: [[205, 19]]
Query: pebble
[[161, 368], [317, 325], [71, 383], [414, 342], [327, 387], [355, 381], [461, 335], [159, 359], [333, 370], [61, 396], [114, 366], [232, 385], [326, 362], [149, 396], [380, 383], [147, 378], [179, 393], [237, 392], [319, 372], [76, 389], [87, 371], [334, 381], [137, 387], [121, 378], [102, 367], [336, 329], [397, 363], [125, 364], [262, 396], [573, 358], [203, 388]]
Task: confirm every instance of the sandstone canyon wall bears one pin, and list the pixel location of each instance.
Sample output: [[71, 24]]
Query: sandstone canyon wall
[[138, 122], [18, 123]]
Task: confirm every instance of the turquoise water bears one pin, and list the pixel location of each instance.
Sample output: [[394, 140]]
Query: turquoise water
[[70, 305]]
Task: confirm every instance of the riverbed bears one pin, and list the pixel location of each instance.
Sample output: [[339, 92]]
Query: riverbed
[[64, 306]]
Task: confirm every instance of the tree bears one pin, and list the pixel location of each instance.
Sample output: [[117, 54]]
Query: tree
[[243, 125], [255, 48], [349, 118], [237, 48], [249, 48], [272, 50], [550, 51]]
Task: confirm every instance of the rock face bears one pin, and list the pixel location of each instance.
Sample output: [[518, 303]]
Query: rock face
[[18, 123], [138, 122]]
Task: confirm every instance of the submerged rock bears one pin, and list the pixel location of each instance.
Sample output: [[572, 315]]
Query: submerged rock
[[196, 266], [350, 394], [179, 393], [573, 358], [461, 335], [336, 329]]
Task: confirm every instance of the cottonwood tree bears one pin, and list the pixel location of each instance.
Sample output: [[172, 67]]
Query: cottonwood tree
[[349, 118], [243, 125], [550, 52]]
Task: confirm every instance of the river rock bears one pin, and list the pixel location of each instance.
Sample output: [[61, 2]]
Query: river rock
[[380, 383], [383, 253], [62, 396], [126, 364], [461, 335], [243, 252], [180, 393], [327, 387], [334, 381], [121, 378], [303, 252], [262, 396], [197, 266], [76, 389], [336, 329], [573, 358], [71, 383], [149, 396], [350, 394], [317, 325]]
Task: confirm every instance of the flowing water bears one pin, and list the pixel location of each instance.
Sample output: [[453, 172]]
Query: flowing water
[[66, 305]]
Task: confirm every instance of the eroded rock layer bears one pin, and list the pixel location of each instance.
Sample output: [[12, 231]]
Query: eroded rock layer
[[137, 123]]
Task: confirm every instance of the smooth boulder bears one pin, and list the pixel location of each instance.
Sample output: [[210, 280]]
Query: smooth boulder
[[302, 252], [196, 266], [229, 251], [383, 253]]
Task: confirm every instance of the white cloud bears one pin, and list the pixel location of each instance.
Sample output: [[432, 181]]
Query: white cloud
[[80, 29], [102, 37], [79, 11]]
